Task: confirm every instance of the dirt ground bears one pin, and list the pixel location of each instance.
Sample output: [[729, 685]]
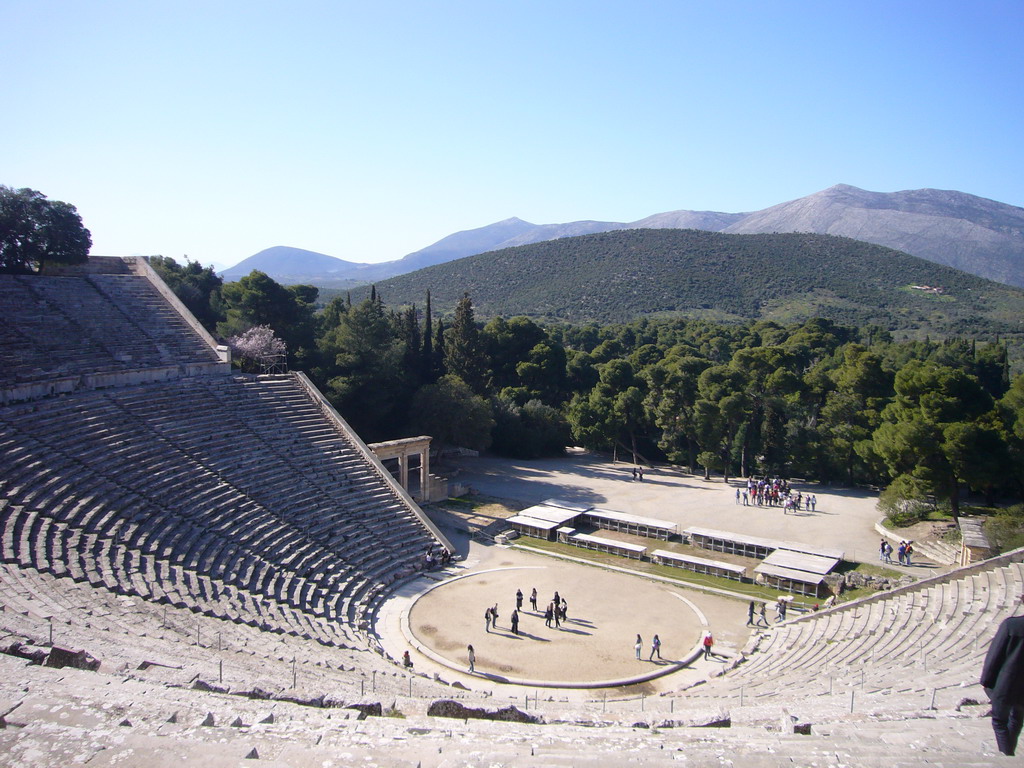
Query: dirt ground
[[607, 609]]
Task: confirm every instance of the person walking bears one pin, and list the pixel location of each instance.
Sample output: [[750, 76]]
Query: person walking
[[750, 614], [472, 659], [533, 599], [655, 648], [638, 646], [515, 622], [881, 550], [1002, 677], [761, 615]]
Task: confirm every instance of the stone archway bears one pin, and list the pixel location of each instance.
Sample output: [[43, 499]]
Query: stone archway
[[412, 453]]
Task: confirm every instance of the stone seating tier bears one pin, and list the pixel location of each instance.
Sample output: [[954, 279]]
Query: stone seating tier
[[136, 476], [153, 653], [913, 642], [54, 327], [801, 691]]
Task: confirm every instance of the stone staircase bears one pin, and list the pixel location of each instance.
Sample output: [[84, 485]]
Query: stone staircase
[[938, 551]]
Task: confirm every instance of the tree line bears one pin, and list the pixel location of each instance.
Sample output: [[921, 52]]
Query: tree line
[[816, 399], [925, 419]]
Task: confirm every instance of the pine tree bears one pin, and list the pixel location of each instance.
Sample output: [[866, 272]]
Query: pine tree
[[428, 371], [463, 352], [411, 341], [1006, 367], [438, 359]]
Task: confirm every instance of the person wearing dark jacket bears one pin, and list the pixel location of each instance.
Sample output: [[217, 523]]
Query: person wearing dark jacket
[[1003, 680]]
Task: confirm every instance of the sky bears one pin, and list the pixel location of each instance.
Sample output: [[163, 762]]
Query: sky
[[366, 131]]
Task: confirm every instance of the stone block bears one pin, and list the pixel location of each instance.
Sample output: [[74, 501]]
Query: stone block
[[449, 708], [62, 657]]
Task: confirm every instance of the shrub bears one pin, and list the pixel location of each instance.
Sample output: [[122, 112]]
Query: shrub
[[905, 501], [1005, 530]]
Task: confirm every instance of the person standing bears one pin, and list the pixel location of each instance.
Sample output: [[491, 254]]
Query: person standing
[[494, 615], [472, 659], [708, 642], [519, 599], [533, 599], [638, 646], [655, 648], [515, 622], [1002, 677], [640, 474], [549, 614], [881, 550], [487, 618]]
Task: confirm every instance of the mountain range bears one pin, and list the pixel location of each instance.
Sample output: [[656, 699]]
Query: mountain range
[[619, 276], [973, 234]]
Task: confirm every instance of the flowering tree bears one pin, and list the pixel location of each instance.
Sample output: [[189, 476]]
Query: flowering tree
[[257, 346]]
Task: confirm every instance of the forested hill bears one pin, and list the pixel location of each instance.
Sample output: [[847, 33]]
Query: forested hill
[[621, 275]]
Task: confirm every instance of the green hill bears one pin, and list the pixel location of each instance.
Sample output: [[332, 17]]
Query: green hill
[[618, 276]]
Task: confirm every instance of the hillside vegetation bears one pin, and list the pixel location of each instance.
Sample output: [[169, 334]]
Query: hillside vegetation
[[980, 236], [619, 276], [814, 399]]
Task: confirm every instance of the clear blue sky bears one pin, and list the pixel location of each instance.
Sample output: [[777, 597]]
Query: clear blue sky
[[369, 130]]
